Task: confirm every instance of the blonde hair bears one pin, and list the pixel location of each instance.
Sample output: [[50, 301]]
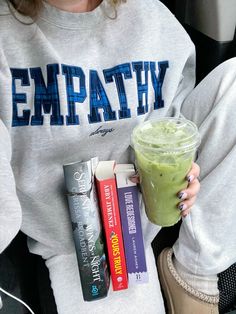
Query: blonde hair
[[32, 7]]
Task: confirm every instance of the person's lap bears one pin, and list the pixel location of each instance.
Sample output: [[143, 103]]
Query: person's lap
[[142, 298]]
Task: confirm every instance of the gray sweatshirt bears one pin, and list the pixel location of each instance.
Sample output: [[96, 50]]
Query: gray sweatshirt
[[73, 86]]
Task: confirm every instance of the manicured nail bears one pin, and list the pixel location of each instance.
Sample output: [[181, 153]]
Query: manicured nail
[[182, 195], [190, 178], [182, 207]]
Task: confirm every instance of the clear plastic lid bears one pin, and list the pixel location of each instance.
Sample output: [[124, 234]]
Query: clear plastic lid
[[166, 135]]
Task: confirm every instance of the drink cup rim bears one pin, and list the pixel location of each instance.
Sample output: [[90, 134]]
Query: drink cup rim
[[186, 144]]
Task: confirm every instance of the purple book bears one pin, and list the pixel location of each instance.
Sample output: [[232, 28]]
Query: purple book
[[131, 224]]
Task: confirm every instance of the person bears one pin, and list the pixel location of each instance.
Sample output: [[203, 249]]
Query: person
[[72, 71]]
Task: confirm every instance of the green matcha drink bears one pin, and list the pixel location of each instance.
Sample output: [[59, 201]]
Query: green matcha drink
[[164, 151]]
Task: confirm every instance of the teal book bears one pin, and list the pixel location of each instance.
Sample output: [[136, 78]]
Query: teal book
[[87, 229]]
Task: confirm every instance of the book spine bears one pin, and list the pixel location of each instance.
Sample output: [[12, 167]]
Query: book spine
[[132, 228], [87, 230], [114, 240]]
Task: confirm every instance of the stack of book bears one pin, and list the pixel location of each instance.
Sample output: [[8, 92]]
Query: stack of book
[[118, 200]]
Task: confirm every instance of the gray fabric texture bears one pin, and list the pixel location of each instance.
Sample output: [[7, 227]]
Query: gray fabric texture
[[62, 67]]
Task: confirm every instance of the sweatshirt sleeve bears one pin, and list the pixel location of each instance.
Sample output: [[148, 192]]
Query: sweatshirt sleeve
[[10, 210], [176, 80], [186, 84]]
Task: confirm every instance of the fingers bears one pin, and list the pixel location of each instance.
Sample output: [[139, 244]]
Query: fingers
[[194, 172], [191, 191], [185, 213], [135, 178], [185, 206], [188, 196]]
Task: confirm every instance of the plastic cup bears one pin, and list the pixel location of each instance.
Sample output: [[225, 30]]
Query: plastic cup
[[164, 151]]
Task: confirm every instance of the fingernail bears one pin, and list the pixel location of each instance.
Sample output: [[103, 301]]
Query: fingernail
[[182, 207], [182, 195], [190, 178]]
